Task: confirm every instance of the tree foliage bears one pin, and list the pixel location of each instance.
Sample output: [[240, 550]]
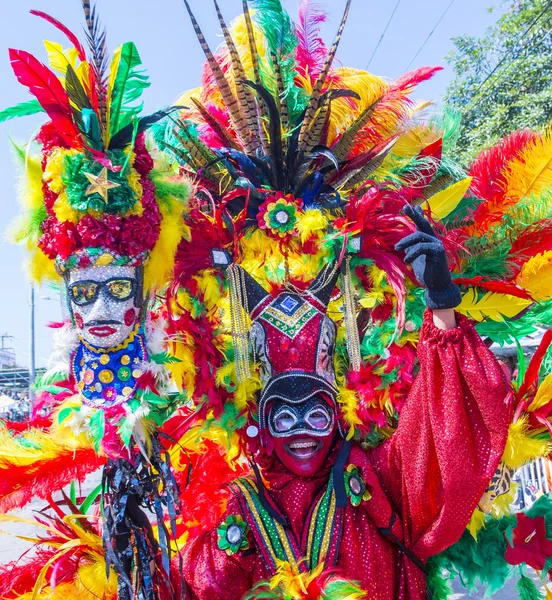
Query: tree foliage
[[519, 93]]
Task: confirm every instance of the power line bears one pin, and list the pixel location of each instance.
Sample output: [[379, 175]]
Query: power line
[[383, 34], [501, 61], [430, 34]]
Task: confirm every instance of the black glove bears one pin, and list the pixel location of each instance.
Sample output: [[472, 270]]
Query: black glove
[[425, 252]]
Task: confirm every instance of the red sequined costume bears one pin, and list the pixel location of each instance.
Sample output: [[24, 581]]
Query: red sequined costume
[[431, 474]]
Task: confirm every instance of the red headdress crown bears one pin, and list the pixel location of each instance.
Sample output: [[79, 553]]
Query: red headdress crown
[[293, 339]]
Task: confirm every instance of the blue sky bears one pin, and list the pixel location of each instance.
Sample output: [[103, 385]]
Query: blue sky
[[170, 52]]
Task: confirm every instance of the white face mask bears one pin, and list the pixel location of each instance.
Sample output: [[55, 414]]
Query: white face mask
[[103, 302]]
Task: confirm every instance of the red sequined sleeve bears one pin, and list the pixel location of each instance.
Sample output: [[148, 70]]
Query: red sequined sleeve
[[210, 573], [451, 436]]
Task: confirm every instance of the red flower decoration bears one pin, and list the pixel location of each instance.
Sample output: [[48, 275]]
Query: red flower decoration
[[137, 235], [96, 233], [59, 238], [530, 544], [143, 162]]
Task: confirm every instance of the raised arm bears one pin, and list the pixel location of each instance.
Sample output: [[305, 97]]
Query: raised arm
[[453, 427]]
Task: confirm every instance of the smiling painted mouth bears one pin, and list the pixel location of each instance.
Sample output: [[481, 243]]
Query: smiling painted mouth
[[102, 330], [304, 448]]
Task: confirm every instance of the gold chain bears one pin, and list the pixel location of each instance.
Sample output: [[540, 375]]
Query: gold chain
[[239, 310], [353, 341]]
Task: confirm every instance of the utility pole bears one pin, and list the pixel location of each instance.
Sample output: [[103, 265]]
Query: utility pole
[[32, 369]]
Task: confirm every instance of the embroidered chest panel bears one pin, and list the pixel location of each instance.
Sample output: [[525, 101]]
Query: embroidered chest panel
[[289, 314]]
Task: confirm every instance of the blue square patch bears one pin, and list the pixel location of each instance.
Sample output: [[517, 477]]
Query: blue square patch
[[288, 304]]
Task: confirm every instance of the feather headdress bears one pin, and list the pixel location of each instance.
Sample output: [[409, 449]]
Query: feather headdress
[[301, 163], [102, 199]]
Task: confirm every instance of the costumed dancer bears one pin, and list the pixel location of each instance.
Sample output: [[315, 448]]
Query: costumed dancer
[[103, 221], [308, 175]]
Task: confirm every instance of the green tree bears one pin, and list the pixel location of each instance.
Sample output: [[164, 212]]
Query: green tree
[[518, 94]]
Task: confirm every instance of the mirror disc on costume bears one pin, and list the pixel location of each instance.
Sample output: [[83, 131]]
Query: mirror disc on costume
[[356, 485], [234, 534]]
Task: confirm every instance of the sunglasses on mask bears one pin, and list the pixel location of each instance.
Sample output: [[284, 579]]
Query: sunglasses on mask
[[86, 292], [313, 417]]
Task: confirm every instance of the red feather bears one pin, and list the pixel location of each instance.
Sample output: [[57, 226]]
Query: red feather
[[18, 578], [488, 179], [203, 491], [500, 287], [47, 89], [532, 372], [35, 422], [19, 485], [413, 78], [488, 168], [536, 239], [58, 25]]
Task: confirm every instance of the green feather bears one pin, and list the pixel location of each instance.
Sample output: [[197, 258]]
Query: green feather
[[90, 499], [23, 109], [97, 428], [437, 581], [276, 25], [481, 561], [130, 82], [527, 590], [281, 40]]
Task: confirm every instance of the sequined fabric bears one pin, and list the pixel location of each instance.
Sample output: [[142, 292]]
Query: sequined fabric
[[108, 378], [431, 474]]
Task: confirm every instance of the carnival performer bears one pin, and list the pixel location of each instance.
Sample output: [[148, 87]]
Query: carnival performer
[[103, 221], [296, 301]]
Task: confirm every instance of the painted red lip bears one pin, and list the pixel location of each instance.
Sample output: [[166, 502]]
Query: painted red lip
[[102, 331]]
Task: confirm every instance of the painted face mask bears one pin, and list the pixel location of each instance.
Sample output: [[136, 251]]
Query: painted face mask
[[302, 433], [104, 302]]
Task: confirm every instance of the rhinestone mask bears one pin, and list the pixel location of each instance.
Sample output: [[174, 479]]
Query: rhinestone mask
[[105, 303]]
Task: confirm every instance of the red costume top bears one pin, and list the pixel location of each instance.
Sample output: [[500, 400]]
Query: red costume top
[[431, 474]]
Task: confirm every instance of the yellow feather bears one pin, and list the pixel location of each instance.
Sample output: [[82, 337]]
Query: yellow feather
[[444, 202], [186, 98], [30, 183], [210, 287], [34, 446], [501, 507], [348, 402], [246, 391], [369, 87], [521, 448], [40, 268], [531, 172], [413, 139], [491, 306], [543, 395], [536, 276], [238, 30], [476, 523], [161, 260], [311, 222], [114, 67], [59, 58], [91, 579]]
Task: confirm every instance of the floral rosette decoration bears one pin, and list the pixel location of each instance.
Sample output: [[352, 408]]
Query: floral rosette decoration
[[278, 215], [355, 486], [232, 535]]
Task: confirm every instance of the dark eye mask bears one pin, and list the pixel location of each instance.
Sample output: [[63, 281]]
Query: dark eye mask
[[313, 417]]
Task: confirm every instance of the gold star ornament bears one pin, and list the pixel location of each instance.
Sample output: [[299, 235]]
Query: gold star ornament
[[100, 184]]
